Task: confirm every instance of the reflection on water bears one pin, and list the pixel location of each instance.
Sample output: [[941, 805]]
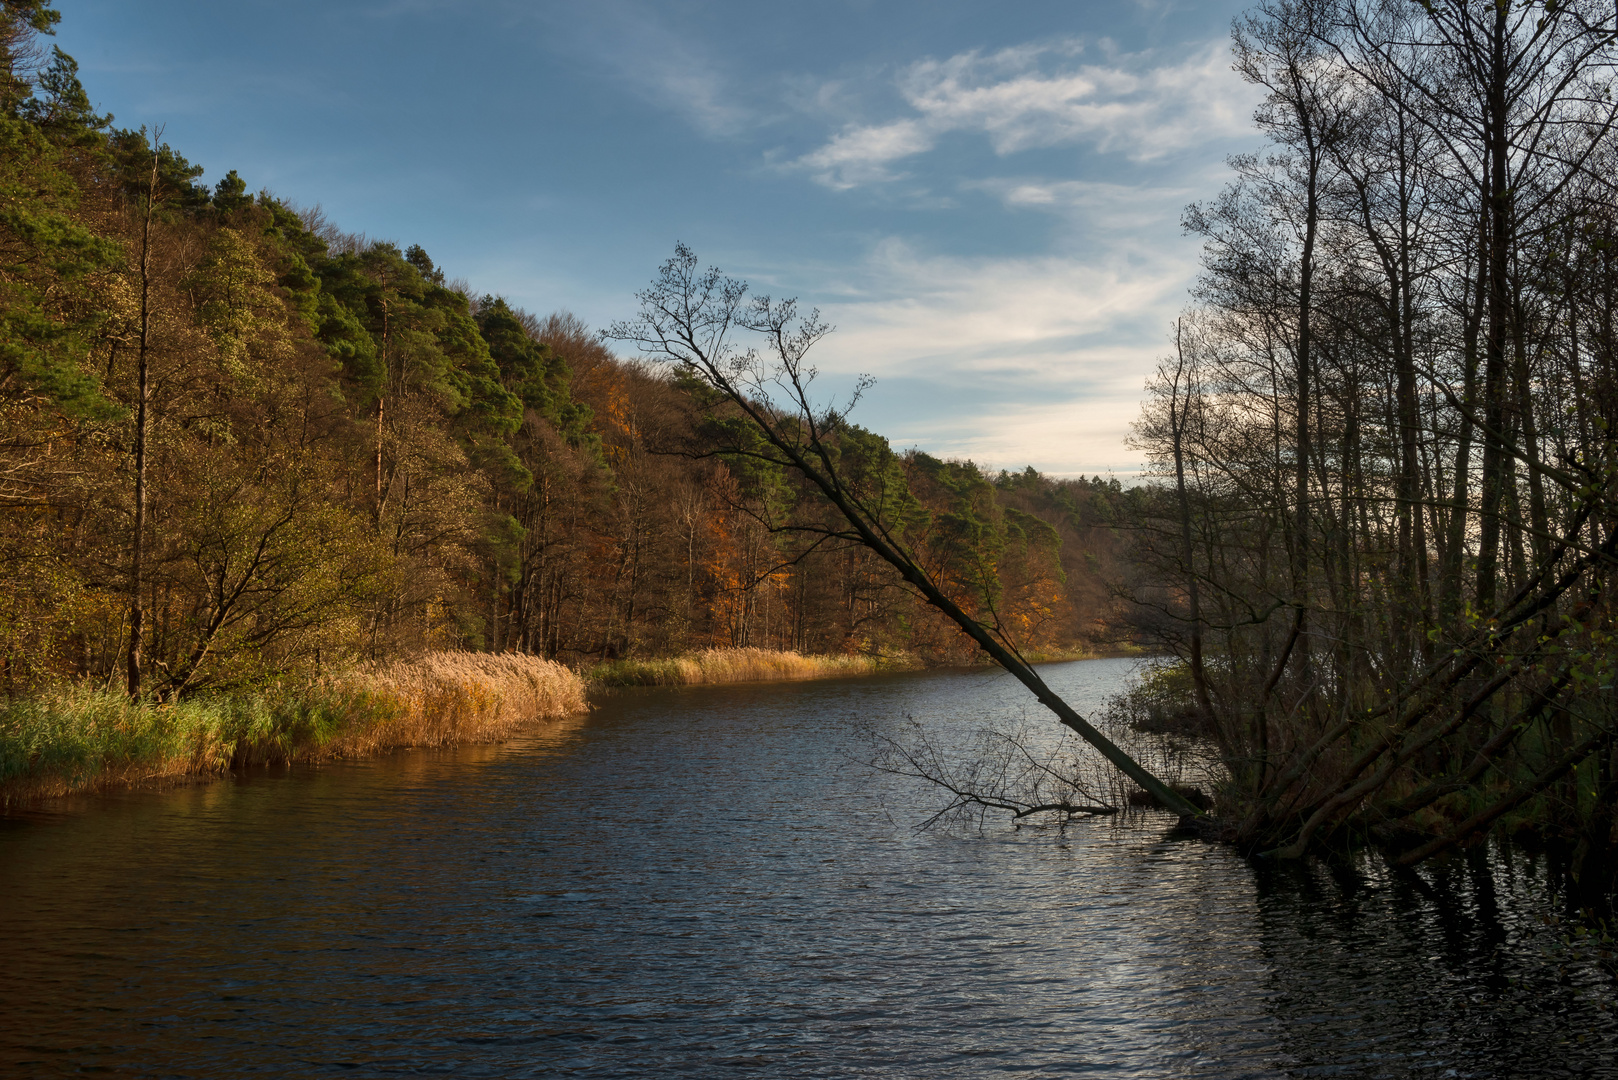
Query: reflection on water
[[693, 879]]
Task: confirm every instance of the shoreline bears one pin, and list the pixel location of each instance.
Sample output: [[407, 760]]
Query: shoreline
[[729, 666], [71, 740], [75, 740]]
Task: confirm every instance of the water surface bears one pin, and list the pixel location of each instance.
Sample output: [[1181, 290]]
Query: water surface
[[698, 882]]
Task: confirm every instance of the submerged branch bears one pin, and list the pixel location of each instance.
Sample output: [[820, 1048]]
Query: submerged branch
[[995, 770]]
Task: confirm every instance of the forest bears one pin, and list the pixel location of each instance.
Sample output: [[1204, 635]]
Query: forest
[[240, 444], [1374, 538], [1378, 525], [1386, 422]]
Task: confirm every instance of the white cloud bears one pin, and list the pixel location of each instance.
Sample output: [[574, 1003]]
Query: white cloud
[[862, 155], [1040, 96], [1008, 360], [1104, 206], [995, 309], [1082, 436]]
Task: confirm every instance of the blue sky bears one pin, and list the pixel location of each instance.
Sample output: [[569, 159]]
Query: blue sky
[[983, 199]]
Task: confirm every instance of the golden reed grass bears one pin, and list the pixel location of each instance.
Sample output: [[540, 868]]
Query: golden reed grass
[[453, 697], [73, 739], [728, 666]]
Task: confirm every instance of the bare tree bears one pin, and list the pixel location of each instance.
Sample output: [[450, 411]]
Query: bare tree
[[1384, 289], [692, 318]]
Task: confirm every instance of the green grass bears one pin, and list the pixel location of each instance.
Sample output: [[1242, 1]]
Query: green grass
[[76, 738]]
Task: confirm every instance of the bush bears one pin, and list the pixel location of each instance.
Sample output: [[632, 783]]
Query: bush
[[1161, 701]]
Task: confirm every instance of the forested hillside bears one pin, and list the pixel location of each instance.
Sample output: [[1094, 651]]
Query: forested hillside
[[239, 442]]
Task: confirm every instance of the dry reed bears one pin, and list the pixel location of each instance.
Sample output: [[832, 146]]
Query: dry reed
[[728, 666], [74, 738], [452, 697]]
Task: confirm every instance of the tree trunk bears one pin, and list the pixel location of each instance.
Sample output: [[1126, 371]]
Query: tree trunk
[[137, 555], [1494, 356], [1177, 420]]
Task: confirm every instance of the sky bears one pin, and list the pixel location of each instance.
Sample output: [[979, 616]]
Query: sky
[[983, 199]]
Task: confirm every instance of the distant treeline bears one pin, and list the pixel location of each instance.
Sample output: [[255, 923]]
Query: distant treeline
[[237, 442]]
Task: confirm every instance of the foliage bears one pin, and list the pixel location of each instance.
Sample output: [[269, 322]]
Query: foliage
[[351, 458], [1381, 540]]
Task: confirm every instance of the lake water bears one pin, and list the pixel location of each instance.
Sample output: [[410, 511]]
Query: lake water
[[699, 882]]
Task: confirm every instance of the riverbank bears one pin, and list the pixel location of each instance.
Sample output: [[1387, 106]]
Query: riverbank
[[73, 739], [76, 739], [733, 666], [717, 666], [1111, 651]]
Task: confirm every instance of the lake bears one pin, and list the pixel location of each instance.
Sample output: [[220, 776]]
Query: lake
[[705, 882]]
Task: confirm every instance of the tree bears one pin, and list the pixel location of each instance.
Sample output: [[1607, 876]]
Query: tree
[[143, 403], [1407, 234], [690, 319]]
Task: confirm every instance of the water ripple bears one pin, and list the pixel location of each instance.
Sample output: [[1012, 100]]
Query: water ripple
[[695, 882]]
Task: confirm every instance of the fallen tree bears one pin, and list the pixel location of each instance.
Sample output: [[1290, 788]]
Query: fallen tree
[[693, 319]]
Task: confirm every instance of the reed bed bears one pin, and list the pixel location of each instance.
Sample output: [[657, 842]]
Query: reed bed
[[728, 666], [453, 697], [75, 738]]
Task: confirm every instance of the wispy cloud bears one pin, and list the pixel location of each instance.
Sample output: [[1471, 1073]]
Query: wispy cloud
[[657, 61], [861, 155], [697, 92], [1016, 317], [1139, 213], [1046, 95], [1011, 360]]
